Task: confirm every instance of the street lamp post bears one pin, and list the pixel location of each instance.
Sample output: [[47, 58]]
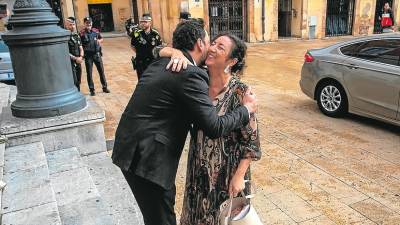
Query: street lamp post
[[41, 63]]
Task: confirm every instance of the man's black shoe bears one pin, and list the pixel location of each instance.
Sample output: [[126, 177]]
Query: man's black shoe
[[106, 90], [92, 93]]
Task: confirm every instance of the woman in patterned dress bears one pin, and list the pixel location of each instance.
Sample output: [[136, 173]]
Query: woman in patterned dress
[[217, 168]]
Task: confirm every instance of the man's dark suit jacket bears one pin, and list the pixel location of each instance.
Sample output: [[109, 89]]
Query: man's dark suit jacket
[[154, 126]]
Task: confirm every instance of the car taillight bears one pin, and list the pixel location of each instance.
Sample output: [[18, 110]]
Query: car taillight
[[308, 57]]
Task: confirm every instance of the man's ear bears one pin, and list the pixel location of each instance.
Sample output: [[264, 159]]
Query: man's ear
[[198, 45]]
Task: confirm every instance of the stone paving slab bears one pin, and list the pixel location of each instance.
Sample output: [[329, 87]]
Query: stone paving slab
[[369, 188], [114, 189], [320, 220], [73, 186], [293, 206], [26, 188], [64, 160], [329, 205], [277, 217], [24, 157], [88, 211], [46, 214], [376, 212]]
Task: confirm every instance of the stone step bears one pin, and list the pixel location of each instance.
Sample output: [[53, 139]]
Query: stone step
[[4, 96], [28, 197], [79, 202], [114, 189]]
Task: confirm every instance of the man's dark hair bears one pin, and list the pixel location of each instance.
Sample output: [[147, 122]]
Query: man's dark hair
[[186, 35], [199, 20], [71, 19], [238, 52]]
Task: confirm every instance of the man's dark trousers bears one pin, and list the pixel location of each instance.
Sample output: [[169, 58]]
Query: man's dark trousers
[[155, 203], [96, 59]]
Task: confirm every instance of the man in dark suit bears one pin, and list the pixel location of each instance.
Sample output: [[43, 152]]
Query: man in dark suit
[[153, 128]]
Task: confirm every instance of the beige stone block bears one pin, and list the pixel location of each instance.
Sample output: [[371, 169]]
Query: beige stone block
[[318, 221], [276, 217], [295, 207], [375, 211], [330, 206]]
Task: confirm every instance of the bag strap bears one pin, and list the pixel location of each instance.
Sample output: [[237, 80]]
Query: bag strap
[[252, 189], [230, 208], [246, 196]]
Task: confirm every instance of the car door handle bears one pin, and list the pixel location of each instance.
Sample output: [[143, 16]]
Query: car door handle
[[352, 66]]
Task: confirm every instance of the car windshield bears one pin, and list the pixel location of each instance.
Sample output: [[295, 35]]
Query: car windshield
[[3, 47]]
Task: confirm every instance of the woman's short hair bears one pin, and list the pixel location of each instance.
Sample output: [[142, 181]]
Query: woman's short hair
[[238, 52], [186, 35]]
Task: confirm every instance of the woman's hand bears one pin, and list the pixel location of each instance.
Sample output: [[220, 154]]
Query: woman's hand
[[178, 61], [236, 185]]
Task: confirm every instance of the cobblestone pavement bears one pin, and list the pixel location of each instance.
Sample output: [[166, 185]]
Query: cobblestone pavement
[[315, 169]]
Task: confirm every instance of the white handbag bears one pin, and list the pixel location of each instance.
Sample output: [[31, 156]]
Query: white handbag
[[247, 216]]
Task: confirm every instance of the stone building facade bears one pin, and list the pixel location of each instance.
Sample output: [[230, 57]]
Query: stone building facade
[[252, 20]]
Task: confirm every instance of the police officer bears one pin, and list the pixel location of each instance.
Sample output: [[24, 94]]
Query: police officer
[[75, 51], [143, 43], [91, 42], [184, 16]]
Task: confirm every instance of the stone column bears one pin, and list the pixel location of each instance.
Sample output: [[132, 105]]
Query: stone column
[[41, 63]]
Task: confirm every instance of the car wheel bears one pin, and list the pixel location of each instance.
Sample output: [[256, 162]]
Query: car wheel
[[332, 99]]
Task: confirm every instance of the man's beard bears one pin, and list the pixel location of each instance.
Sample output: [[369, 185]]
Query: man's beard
[[203, 59]]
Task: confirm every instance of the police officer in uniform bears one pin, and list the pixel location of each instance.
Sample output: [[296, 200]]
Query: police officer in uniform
[[75, 51], [184, 16], [143, 43], [91, 42]]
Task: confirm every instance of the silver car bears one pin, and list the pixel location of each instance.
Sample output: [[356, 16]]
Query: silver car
[[360, 76], [6, 70]]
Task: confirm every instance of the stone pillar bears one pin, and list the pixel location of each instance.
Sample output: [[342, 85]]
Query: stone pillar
[[41, 63], [271, 20]]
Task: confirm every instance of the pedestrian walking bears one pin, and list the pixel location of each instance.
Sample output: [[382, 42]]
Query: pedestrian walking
[[91, 42], [387, 19], [143, 43], [75, 51]]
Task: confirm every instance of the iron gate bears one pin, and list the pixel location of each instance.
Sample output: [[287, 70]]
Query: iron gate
[[378, 13], [228, 16], [285, 18], [339, 17], [56, 6]]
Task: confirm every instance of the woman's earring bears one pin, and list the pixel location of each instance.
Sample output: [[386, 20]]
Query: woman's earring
[[227, 69]]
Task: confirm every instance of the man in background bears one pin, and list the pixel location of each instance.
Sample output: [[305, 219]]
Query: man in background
[[91, 42], [75, 51], [143, 43]]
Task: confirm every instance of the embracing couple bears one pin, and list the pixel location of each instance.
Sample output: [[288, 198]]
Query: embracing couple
[[214, 105]]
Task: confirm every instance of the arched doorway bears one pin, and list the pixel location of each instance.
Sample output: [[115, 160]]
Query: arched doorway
[[378, 13], [228, 16]]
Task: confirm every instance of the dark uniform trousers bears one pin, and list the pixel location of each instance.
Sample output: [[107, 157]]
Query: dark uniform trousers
[[77, 73], [141, 66], [155, 203], [96, 59]]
